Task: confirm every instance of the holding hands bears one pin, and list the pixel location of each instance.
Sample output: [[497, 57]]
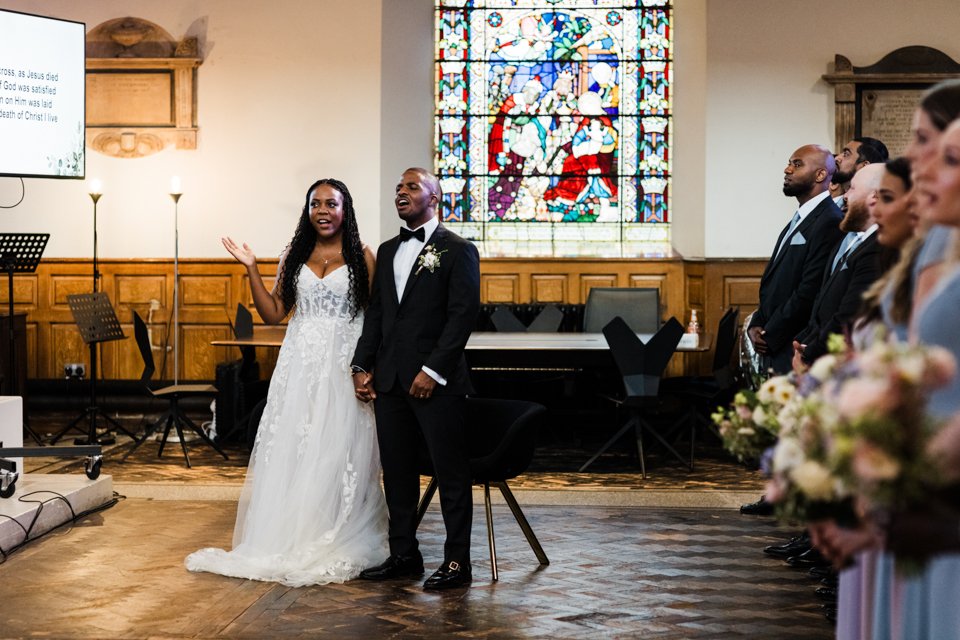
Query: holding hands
[[363, 386]]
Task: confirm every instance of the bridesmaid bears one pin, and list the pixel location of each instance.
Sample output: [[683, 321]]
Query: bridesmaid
[[929, 603]]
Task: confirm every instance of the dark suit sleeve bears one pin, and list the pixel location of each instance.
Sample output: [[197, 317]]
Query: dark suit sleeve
[[463, 305], [783, 322], [365, 355], [866, 270]]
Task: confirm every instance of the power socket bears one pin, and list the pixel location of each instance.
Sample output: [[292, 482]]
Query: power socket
[[74, 371]]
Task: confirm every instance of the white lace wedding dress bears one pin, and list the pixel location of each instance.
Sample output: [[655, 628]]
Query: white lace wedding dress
[[312, 510]]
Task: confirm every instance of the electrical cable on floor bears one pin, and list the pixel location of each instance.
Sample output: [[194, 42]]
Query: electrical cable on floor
[[74, 517]]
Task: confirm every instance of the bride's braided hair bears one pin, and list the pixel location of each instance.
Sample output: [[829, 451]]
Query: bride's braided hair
[[305, 239]]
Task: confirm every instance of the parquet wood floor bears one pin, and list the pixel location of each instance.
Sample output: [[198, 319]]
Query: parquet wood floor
[[614, 573], [554, 466]]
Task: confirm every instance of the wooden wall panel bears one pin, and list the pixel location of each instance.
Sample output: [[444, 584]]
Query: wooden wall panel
[[195, 341], [204, 291], [133, 291], [591, 280], [25, 292], [695, 296], [65, 346], [62, 286], [500, 288], [211, 290], [32, 351], [548, 287]]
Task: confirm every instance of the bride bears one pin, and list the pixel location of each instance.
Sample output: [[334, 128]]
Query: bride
[[312, 510]]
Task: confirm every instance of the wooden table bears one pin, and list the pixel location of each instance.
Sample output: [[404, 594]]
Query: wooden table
[[263, 336]]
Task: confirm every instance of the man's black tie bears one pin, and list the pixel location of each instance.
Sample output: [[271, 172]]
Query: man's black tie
[[406, 234]]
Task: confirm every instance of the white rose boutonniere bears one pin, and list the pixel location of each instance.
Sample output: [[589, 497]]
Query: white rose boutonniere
[[429, 259]]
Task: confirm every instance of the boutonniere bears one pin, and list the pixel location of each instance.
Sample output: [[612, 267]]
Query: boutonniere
[[429, 259]]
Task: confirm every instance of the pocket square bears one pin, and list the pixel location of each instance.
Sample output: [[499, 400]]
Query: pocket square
[[798, 239]]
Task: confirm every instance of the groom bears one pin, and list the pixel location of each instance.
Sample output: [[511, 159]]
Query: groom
[[409, 360]]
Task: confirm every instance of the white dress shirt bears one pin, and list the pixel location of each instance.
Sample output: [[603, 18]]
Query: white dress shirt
[[403, 261]]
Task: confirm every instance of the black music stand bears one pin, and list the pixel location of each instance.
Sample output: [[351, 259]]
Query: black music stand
[[19, 253], [97, 321]]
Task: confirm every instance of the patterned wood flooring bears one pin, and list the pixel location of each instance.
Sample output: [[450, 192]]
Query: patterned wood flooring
[[614, 573], [555, 465]]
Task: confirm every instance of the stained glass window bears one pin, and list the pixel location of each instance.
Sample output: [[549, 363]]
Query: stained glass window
[[553, 124]]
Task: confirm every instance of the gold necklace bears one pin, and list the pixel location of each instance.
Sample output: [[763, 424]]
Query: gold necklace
[[326, 261]]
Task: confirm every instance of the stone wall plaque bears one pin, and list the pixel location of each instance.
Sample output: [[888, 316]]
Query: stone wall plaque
[[878, 100], [886, 114], [130, 99], [141, 89]]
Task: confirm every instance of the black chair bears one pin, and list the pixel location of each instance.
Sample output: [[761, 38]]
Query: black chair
[[173, 416], [505, 321], [547, 321], [640, 366], [638, 307], [501, 438]]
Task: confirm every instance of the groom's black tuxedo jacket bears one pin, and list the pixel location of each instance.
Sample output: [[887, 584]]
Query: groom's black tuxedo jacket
[[841, 296], [790, 282], [432, 321]]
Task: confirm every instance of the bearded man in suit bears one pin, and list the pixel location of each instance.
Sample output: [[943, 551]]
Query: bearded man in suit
[[409, 360], [853, 267], [794, 273]]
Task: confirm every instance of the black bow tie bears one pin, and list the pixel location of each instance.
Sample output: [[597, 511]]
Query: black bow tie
[[406, 234]]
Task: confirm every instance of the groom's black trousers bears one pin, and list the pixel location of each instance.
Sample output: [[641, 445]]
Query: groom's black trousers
[[403, 425]]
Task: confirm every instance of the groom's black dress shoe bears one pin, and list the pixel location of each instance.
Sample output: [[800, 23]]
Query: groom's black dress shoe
[[395, 567], [450, 575]]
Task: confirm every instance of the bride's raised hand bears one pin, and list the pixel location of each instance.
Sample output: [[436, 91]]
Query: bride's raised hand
[[242, 253]]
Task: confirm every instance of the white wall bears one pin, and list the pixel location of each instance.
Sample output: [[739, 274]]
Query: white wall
[[765, 97], [292, 90], [288, 92]]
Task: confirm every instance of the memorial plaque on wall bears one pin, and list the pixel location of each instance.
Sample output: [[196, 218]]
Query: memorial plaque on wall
[[878, 100], [887, 113], [131, 99]]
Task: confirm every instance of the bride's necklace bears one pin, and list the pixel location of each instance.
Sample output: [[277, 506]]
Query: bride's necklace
[[327, 261]]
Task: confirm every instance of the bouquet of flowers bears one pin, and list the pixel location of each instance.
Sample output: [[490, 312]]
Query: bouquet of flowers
[[751, 424], [858, 430]]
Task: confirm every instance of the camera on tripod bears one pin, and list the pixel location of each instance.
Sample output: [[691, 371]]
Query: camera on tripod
[[74, 371]]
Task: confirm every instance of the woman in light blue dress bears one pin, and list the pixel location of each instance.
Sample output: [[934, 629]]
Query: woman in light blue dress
[[928, 606], [873, 602]]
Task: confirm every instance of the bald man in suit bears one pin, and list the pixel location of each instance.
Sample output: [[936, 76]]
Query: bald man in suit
[[853, 267], [795, 271]]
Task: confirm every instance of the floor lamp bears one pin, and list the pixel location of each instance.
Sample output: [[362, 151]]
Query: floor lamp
[[96, 192], [175, 192]]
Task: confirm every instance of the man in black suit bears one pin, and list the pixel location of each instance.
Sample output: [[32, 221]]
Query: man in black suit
[[855, 155], [852, 268], [795, 270], [409, 360]]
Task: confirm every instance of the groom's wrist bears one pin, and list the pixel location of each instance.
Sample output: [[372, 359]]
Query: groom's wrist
[[355, 369]]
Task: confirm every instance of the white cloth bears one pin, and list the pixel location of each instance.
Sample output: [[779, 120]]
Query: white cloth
[[312, 510], [403, 261]]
